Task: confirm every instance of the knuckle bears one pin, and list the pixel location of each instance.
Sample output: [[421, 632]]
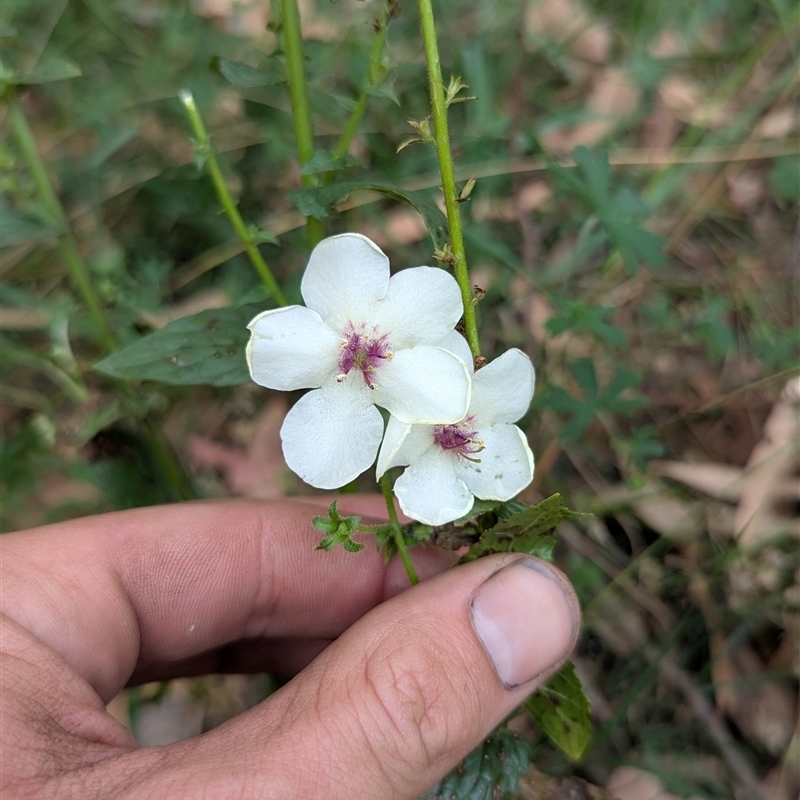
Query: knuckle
[[419, 703]]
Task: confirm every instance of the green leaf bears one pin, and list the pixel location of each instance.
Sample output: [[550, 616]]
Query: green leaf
[[595, 400], [384, 89], [560, 708], [490, 772], [634, 244], [245, 76], [17, 227], [784, 178], [317, 201], [55, 70], [597, 172], [205, 349], [528, 531], [338, 530], [577, 317], [325, 161]]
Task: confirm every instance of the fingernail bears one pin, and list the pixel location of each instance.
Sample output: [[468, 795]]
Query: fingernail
[[526, 619]]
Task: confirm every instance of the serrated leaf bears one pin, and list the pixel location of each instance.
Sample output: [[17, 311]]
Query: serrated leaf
[[490, 772], [317, 201], [51, 71], [245, 76], [205, 349], [528, 531], [560, 708]]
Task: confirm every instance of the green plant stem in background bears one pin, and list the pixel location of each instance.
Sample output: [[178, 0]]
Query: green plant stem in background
[[68, 249], [206, 155], [445, 157], [372, 79], [397, 531], [298, 92]]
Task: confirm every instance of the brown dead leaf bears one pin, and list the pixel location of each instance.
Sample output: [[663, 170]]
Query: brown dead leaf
[[720, 481], [535, 785], [778, 124], [613, 96], [256, 469], [632, 783], [761, 514], [202, 301], [668, 44], [687, 99], [23, 319], [571, 23], [746, 189]]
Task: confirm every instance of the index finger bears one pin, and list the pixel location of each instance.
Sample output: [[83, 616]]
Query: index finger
[[162, 584]]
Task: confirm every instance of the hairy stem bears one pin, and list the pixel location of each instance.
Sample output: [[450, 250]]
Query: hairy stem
[[206, 153], [397, 531], [298, 92], [445, 158], [67, 248]]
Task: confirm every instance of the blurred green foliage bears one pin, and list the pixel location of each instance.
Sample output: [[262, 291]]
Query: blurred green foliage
[[636, 273]]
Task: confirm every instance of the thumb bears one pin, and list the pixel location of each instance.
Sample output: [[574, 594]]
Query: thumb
[[405, 693]]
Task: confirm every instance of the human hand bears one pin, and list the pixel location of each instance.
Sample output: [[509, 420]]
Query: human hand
[[396, 686]]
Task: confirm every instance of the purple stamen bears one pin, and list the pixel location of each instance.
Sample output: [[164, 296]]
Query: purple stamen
[[360, 351], [460, 438]]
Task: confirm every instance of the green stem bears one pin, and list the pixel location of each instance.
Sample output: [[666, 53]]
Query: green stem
[[298, 92], [79, 273], [206, 153], [397, 530], [373, 78], [445, 157]]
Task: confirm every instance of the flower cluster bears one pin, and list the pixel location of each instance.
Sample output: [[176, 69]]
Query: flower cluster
[[366, 340]]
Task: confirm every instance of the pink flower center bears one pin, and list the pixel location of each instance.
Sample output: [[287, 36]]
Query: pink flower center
[[460, 438], [362, 351]]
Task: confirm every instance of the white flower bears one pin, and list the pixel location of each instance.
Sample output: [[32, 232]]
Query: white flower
[[482, 455], [363, 339]]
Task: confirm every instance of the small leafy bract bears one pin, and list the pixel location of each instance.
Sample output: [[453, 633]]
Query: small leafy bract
[[561, 710], [338, 530]]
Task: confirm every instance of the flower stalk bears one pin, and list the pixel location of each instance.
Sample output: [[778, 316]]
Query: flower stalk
[[205, 155], [397, 531], [67, 247], [373, 78], [301, 113], [446, 172]]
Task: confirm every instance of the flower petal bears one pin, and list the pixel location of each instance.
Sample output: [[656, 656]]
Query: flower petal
[[430, 491], [503, 389], [506, 464], [423, 385], [423, 304], [291, 348], [456, 344], [403, 444], [330, 436], [346, 275]]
